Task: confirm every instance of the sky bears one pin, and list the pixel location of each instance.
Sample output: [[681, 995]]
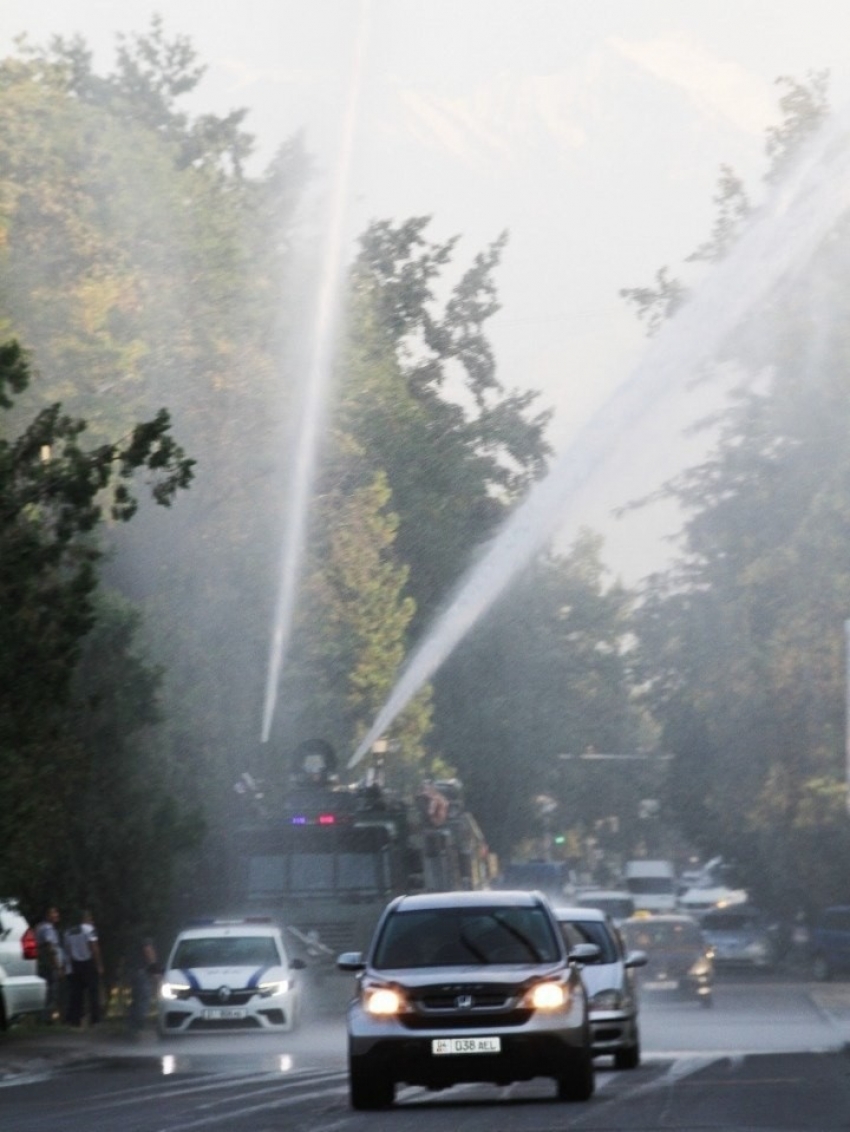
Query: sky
[[593, 133]]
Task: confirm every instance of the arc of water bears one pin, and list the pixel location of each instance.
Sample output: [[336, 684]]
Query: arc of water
[[318, 380], [777, 245]]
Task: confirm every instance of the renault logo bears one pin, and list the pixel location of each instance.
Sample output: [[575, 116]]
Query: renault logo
[[464, 1002], [224, 994]]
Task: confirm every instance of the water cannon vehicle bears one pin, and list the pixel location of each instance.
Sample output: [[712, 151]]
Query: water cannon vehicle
[[331, 856]]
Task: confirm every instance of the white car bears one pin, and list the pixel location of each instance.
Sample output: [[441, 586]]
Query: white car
[[226, 975], [611, 986], [22, 990]]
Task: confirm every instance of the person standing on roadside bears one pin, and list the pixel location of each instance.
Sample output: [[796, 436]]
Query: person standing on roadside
[[83, 948], [51, 963], [144, 975]]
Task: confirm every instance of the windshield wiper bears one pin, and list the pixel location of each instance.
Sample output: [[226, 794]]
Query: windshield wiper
[[520, 936]]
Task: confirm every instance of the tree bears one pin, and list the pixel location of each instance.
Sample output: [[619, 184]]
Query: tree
[[55, 497], [424, 402], [741, 653], [546, 673]]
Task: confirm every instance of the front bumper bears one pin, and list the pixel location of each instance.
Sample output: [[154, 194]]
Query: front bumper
[[543, 1045], [277, 1014], [612, 1030]]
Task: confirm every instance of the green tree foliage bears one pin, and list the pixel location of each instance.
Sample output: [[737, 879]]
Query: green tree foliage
[[545, 674], [73, 692], [741, 644], [353, 619], [423, 399], [145, 267]]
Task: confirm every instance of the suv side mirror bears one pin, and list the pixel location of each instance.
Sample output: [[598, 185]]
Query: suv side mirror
[[351, 961]]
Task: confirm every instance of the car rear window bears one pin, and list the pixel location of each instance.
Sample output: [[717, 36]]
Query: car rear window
[[227, 951], [444, 937], [729, 922]]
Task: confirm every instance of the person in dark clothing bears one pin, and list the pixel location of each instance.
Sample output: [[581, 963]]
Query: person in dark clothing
[[51, 963], [144, 973]]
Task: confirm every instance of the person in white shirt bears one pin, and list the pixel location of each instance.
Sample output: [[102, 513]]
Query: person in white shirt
[[83, 948]]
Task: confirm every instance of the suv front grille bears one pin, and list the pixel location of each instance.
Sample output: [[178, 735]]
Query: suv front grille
[[488, 1005], [484, 997]]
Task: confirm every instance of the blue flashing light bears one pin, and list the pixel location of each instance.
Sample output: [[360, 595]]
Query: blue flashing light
[[299, 819]]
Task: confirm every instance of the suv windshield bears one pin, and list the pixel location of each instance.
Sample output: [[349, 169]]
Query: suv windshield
[[443, 937], [227, 951]]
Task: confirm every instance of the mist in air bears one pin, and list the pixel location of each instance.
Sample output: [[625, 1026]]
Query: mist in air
[[776, 247], [316, 386]]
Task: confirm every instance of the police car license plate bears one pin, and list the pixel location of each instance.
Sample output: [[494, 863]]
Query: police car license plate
[[662, 984], [220, 1013], [465, 1045]]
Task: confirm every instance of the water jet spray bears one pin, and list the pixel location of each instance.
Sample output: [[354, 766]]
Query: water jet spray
[[781, 238], [324, 335]]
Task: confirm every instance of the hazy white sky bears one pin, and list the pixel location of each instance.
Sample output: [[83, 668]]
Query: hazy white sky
[[592, 132]]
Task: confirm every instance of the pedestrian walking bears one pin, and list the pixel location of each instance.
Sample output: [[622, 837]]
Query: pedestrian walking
[[51, 964], [83, 948]]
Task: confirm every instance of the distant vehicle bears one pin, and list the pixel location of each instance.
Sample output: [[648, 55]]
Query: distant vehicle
[[697, 901], [679, 961], [740, 936], [610, 982], [829, 942], [22, 991], [652, 884], [548, 877], [226, 975], [618, 903], [466, 987]]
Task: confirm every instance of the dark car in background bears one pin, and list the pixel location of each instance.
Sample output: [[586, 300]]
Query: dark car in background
[[829, 942], [741, 937], [610, 981], [467, 987], [679, 960]]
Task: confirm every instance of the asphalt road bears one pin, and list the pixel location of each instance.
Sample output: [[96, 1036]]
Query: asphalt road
[[769, 1055]]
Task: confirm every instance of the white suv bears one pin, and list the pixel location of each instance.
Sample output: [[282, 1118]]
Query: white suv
[[22, 991], [225, 975]]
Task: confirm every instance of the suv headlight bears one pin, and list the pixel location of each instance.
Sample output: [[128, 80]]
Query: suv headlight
[[548, 995], [383, 1002]]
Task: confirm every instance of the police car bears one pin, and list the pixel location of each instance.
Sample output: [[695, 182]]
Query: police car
[[226, 975]]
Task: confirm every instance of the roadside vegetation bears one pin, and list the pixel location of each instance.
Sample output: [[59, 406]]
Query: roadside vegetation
[[142, 265]]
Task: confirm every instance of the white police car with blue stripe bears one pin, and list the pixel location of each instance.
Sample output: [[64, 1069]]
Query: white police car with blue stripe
[[226, 975]]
